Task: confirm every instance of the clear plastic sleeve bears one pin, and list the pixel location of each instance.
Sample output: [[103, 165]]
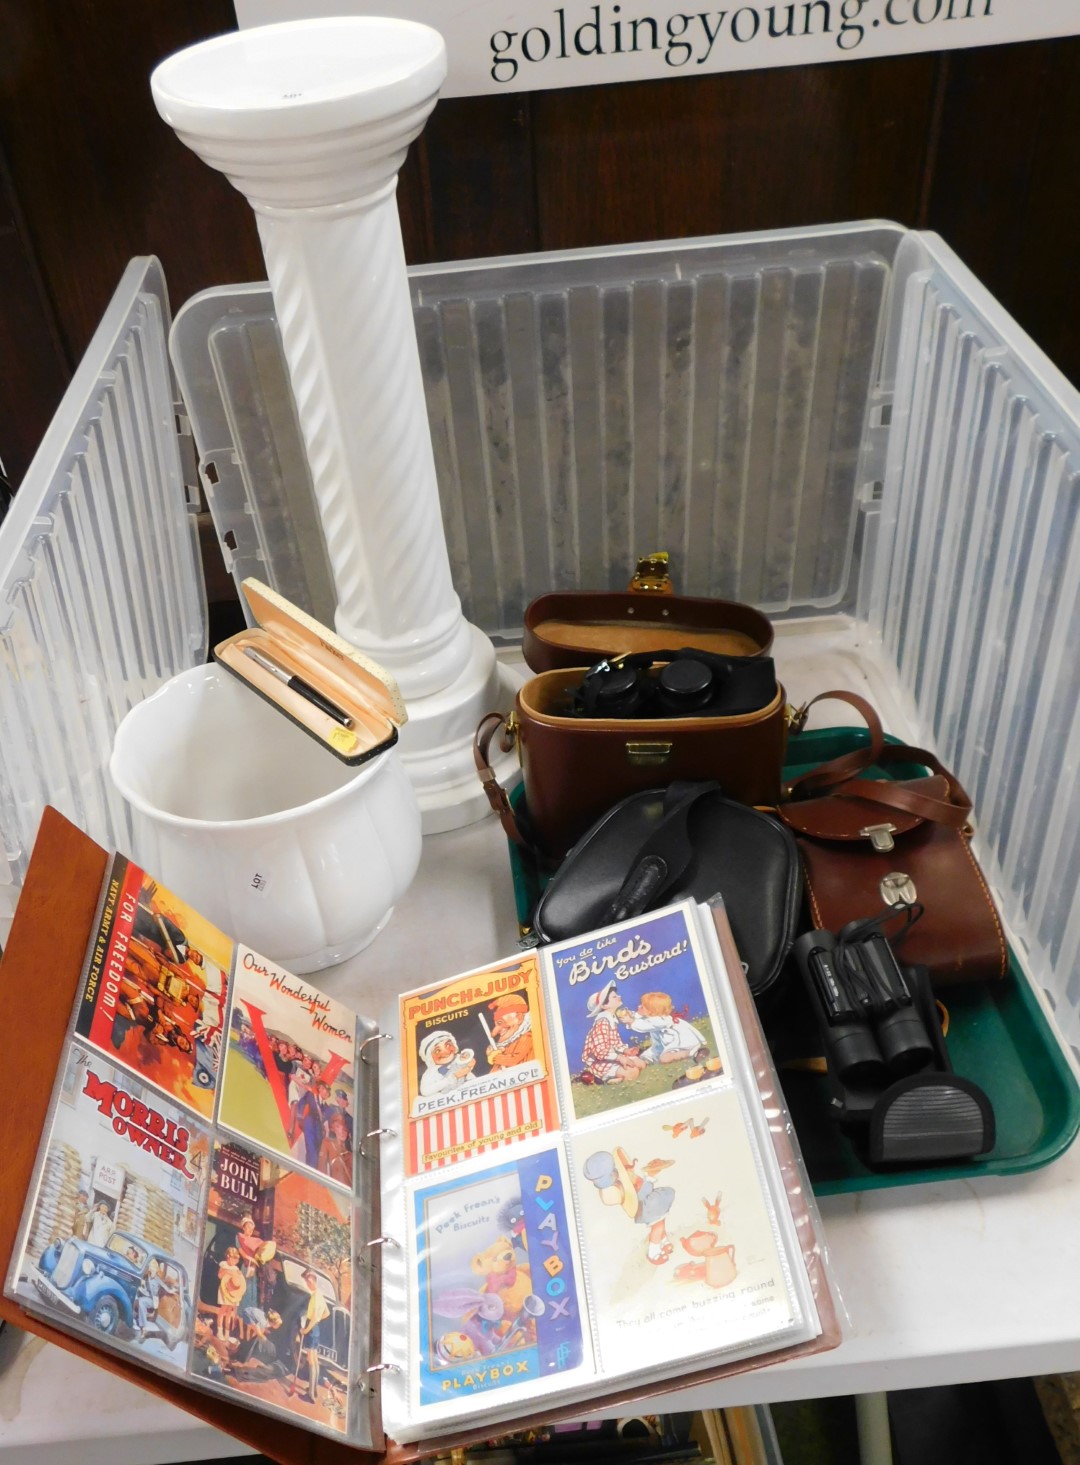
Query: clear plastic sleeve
[[610, 1389]]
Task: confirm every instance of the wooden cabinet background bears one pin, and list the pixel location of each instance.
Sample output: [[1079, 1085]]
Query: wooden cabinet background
[[981, 145]]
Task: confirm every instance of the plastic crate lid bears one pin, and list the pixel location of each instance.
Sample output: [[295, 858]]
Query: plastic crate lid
[[708, 396], [101, 585]]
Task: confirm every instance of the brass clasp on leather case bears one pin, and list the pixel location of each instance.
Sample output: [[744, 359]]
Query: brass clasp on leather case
[[648, 755], [652, 575]]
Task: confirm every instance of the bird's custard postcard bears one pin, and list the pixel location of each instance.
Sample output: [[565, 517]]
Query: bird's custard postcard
[[636, 1019]]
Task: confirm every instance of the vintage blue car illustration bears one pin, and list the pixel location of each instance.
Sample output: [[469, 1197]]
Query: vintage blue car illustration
[[124, 1287]]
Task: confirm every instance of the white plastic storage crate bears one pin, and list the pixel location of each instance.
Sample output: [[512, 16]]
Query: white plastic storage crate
[[838, 424]]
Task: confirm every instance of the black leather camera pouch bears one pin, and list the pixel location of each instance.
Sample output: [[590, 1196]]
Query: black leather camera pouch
[[684, 841]]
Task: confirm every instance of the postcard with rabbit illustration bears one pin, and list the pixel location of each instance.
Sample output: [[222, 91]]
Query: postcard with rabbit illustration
[[679, 1238], [500, 1298], [636, 1017]]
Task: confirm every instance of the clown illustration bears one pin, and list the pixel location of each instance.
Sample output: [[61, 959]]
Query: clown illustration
[[511, 1032]]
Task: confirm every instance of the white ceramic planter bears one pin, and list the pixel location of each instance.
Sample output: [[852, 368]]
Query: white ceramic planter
[[311, 121], [261, 830]]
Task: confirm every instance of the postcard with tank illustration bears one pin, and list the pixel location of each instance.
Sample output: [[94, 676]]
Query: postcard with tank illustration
[[112, 1241], [274, 1289], [499, 1303], [155, 992], [476, 1064], [636, 1018], [680, 1241], [287, 1080]]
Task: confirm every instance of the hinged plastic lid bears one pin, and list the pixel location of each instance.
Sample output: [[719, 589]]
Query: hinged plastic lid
[[101, 585]]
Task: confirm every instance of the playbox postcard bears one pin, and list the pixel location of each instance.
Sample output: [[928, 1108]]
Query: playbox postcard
[[500, 1298]]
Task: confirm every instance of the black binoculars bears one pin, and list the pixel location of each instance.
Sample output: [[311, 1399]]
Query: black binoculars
[[684, 683], [871, 1027]]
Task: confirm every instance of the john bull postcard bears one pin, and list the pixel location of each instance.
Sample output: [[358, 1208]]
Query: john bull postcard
[[112, 1242], [155, 991], [500, 1299], [288, 1072], [635, 1016], [477, 1065], [274, 1289]]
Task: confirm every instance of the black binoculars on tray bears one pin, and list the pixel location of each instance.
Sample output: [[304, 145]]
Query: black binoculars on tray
[[686, 683], [894, 1089]]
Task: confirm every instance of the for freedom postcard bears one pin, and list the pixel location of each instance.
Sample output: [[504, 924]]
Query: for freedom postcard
[[500, 1298], [113, 1239], [156, 988], [288, 1073], [477, 1065], [678, 1234], [635, 1019]]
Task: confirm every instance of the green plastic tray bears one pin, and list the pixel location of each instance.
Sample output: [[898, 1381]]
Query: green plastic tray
[[998, 1036]]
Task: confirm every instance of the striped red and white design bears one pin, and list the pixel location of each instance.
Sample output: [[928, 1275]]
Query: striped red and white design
[[476, 1128]]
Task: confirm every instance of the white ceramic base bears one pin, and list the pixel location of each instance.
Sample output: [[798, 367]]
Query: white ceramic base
[[436, 743], [331, 956]]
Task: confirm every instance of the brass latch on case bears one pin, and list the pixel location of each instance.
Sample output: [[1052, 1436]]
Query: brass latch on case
[[648, 755], [652, 574]]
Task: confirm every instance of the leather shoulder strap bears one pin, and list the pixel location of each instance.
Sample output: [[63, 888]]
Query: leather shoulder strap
[[657, 864], [840, 775], [497, 796], [848, 765]]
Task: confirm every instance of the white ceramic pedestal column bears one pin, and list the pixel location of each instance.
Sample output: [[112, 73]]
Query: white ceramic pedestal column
[[311, 121]]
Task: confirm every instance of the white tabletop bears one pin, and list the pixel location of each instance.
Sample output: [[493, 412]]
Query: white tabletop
[[941, 1283]]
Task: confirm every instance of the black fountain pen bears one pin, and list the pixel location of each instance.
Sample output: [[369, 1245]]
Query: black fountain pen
[[299, 686]]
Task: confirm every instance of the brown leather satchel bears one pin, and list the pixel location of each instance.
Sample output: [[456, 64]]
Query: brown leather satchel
[[870, 843], [575, 769]]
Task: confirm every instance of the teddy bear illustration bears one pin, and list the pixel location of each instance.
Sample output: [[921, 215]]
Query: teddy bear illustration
[[504, 1275]]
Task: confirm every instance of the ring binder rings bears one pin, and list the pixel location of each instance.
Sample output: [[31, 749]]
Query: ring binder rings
[[373, 1134], [367, 1256], [374, 1038], [266, 1222]]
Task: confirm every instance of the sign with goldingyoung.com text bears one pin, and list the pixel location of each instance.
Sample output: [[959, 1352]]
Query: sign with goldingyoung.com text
[[533, 45]]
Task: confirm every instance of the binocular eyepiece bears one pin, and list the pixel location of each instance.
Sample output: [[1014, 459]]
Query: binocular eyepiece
[[685, 683]]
